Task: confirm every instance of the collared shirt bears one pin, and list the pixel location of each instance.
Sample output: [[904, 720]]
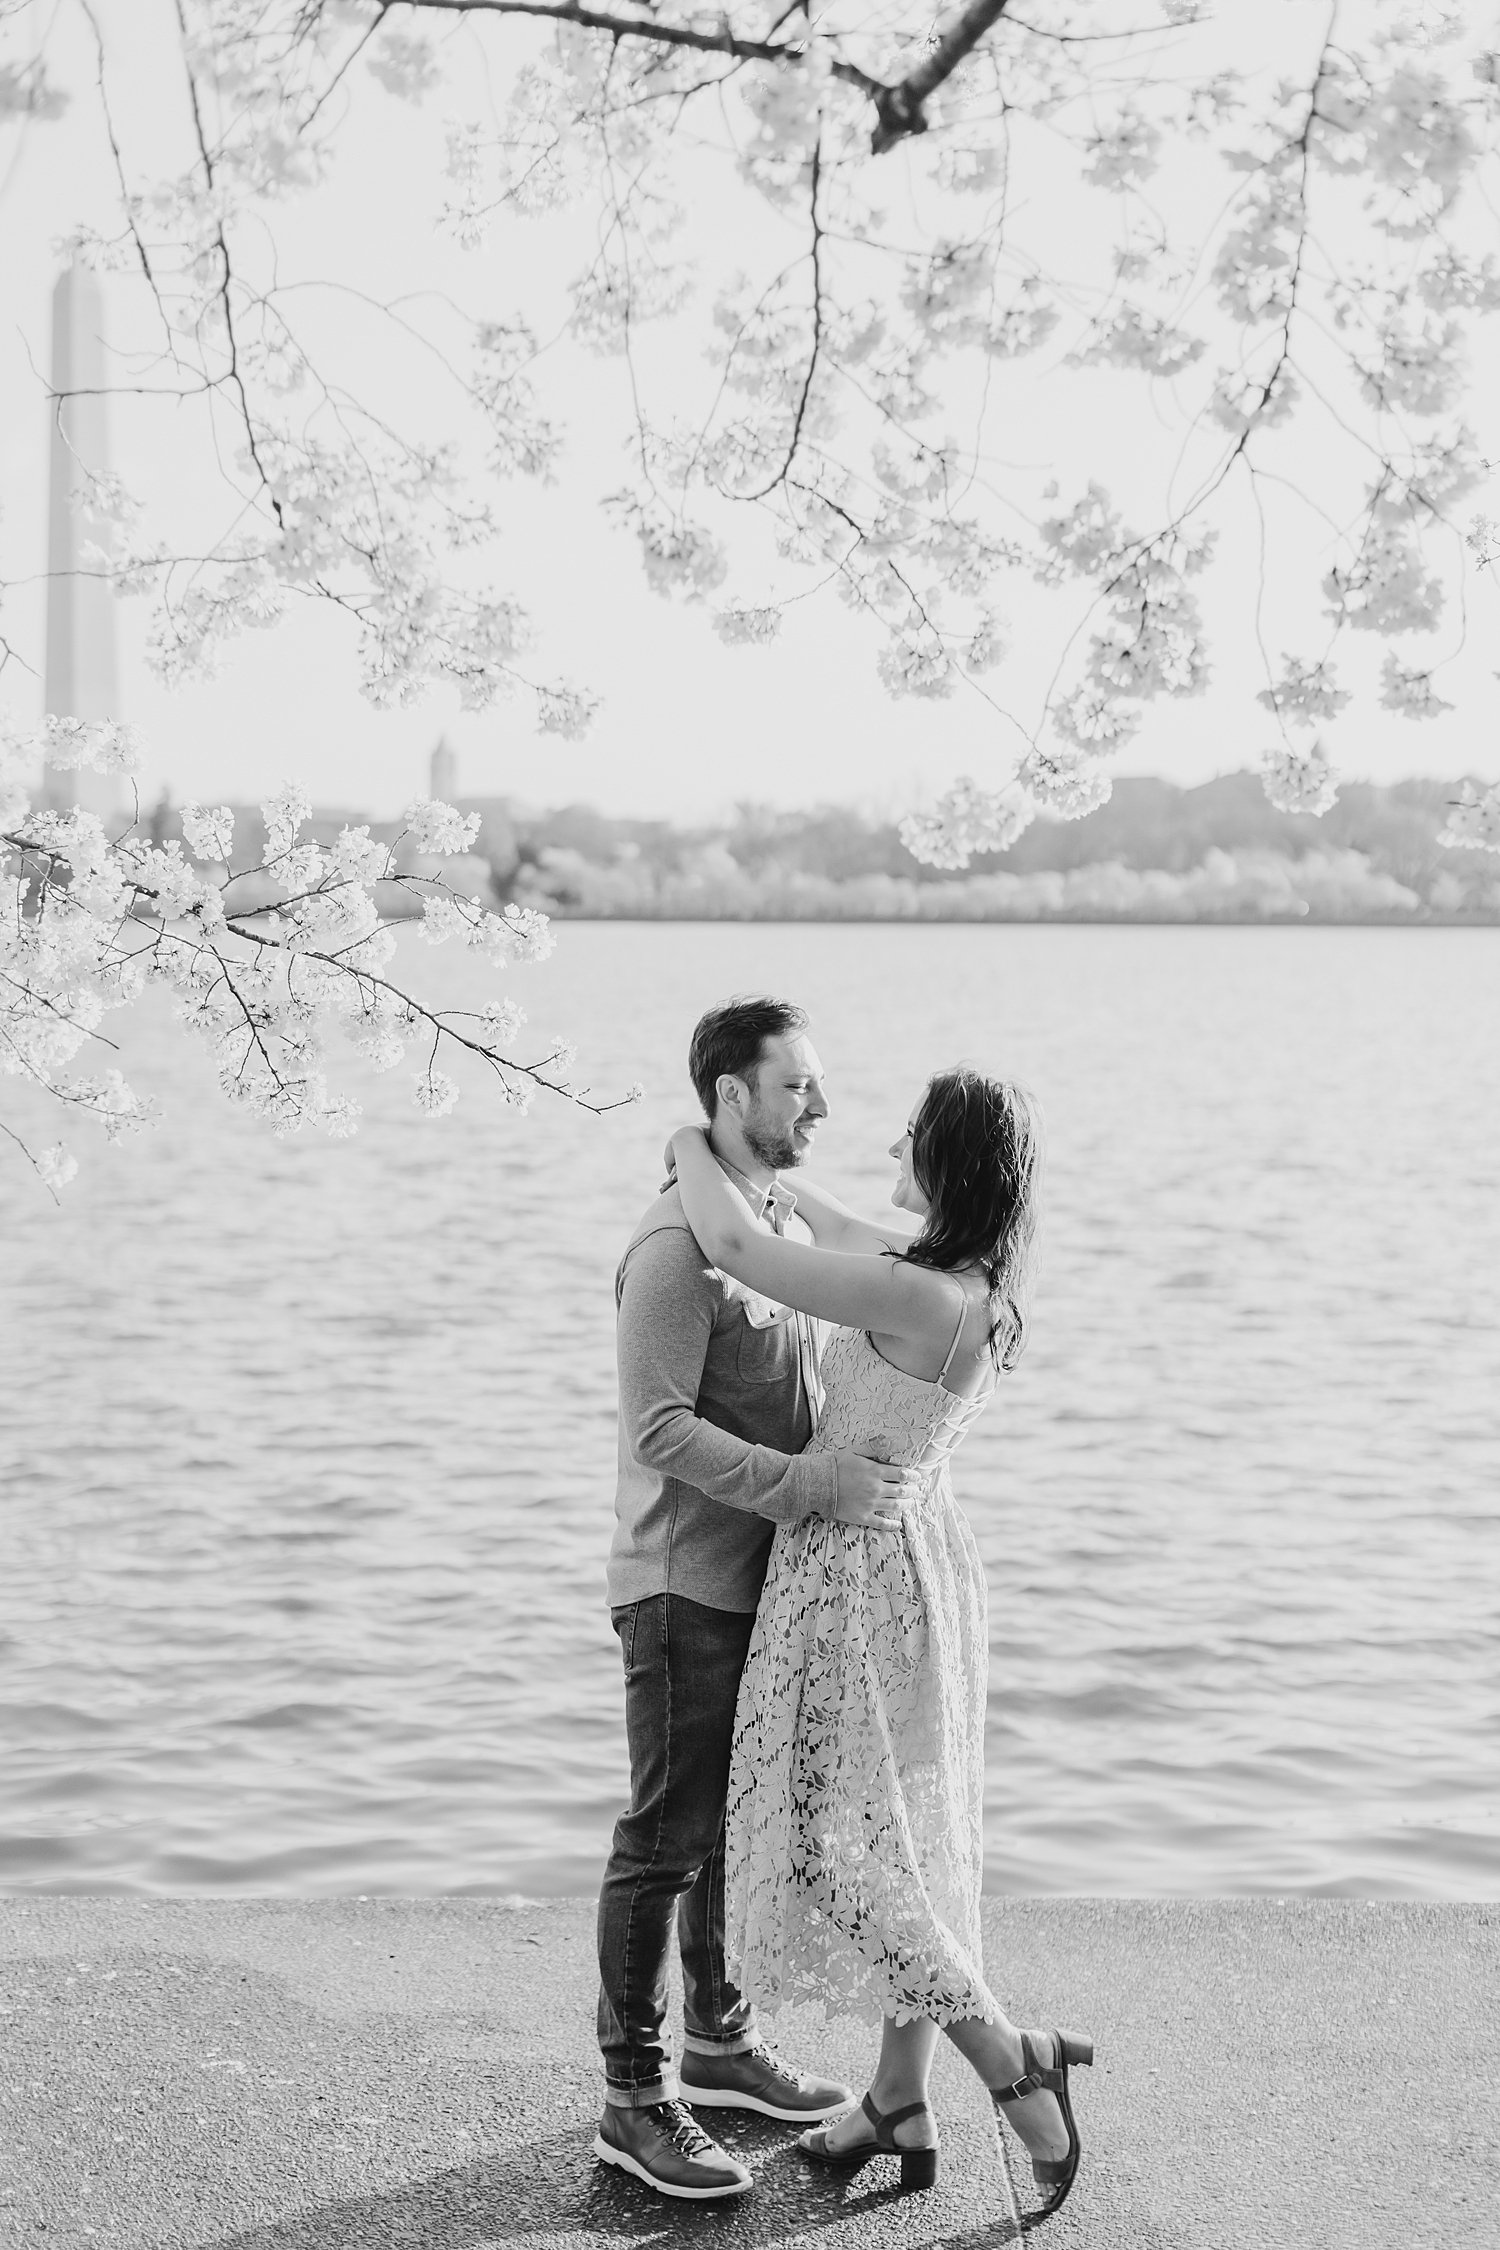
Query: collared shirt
[[777, 1200], [718, 1396]]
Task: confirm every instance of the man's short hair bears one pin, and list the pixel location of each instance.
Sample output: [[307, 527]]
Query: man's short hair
[[729, 1040]]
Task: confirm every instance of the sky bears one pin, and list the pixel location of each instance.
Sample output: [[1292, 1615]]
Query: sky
[[687, 727]]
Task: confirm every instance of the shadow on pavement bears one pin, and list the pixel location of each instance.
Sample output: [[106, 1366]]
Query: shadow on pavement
[[556, 2187]]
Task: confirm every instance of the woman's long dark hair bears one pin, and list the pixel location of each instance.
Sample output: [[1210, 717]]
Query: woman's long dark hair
[[976, 1150]]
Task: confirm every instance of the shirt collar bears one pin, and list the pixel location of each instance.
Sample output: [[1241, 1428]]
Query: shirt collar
[[760, 1199]]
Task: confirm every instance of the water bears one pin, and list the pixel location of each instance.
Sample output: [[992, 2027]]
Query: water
[[308, 1448]]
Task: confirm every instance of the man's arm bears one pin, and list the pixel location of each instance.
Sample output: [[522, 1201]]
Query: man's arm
[[666, 1319]]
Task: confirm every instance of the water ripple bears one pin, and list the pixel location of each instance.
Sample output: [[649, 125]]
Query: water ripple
[[304, 1570]]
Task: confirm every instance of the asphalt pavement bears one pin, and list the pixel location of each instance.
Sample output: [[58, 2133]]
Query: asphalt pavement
[[228, 2074]]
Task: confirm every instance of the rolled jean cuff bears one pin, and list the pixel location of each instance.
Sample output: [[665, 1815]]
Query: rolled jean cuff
[[728, 2043], [663, 2089]]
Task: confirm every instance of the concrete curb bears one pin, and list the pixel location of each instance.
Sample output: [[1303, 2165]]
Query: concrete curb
[[212, 2074]]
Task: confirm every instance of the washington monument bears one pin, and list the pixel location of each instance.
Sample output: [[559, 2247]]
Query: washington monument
[[82, 672]]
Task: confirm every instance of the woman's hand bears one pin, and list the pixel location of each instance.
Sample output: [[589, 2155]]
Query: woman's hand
[[873, 1495]]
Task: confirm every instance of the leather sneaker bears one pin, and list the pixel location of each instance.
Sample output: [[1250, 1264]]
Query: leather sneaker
[[759, 2080], [666, 2148]]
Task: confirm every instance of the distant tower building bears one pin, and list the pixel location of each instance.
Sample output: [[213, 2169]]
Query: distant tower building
[[444, 772], [82, 676]]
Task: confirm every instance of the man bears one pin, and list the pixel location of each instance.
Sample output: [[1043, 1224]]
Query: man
[[718, 1396]]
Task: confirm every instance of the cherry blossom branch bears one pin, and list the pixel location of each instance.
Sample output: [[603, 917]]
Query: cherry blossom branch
[[899, 109], [623, 26], [817, 328], [226, 276]]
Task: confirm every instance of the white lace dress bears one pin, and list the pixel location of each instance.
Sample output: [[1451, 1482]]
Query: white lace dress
[[855, 1805]]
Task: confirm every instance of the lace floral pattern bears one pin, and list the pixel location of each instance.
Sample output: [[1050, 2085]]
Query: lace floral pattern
[[857, 1777]]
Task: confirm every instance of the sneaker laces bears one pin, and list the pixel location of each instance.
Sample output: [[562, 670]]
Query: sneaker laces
[[677, 2124], [773, 2061]]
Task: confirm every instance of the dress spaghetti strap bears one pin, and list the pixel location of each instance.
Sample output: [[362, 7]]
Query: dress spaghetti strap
[[958, 1331]]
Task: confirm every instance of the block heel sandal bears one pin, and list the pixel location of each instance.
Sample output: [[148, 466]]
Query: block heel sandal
[[919, 2166], [1055, 2174]]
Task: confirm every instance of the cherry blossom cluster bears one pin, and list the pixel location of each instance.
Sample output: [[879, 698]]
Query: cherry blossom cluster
[[1299, 780], [832, 366], [319, 496], [269, 961], [964, 821], [855, 352], [1474, 819]]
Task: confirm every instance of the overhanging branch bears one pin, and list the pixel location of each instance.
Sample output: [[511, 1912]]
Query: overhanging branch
[[899, 109]]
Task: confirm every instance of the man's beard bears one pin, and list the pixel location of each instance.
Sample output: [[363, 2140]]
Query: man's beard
[[772, 1146]]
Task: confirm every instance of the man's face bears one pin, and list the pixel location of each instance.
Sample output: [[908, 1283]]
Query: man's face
[[786, 1104]]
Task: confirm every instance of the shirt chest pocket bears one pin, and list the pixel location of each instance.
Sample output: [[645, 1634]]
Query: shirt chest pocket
[[767, 1347]]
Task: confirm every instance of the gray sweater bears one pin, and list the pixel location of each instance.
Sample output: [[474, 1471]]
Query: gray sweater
[[717, 1391]]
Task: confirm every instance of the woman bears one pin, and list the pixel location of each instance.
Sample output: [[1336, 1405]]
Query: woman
[[856, 1788]]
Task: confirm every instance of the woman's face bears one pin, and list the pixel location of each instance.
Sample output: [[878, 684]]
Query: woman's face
[[907, 1193]]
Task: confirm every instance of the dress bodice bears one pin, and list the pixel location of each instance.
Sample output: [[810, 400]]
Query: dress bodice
[[866, 1397]]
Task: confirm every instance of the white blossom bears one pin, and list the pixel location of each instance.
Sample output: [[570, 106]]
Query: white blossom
[[1069, 783], [1450, 282], [356, 854], [438, 828], [1483, 539], [1090, 721], [444, 917], [102, 744], [740, 626], [517, 933], [986, 645], [915, 662], [1241, 401], [95, 918], [1474, 819], [283, 815], [209, 830], [965, 821], [1129, 337], [405, 63], [168, 881], [435, 1092], [1305, 693], [1125, 153], [1086, 539], [1408, 689], [1299, 781], [1387, 588], [1419, 368], [57, 1165], [679, 557], [565, 711], [1257, 258]]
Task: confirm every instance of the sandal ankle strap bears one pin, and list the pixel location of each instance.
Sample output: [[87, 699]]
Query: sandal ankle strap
[[885, 2122], [1038, 2078]]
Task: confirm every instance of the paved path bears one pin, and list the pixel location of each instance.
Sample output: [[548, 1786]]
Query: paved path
[[386, 2074]]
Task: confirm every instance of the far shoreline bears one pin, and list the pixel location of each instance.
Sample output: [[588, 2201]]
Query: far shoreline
[[1429, 921]]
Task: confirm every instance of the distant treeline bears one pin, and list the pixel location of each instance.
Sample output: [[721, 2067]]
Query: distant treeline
[[1155, 852]]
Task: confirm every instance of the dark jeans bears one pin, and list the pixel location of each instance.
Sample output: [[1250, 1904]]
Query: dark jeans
[[682, 1673]]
